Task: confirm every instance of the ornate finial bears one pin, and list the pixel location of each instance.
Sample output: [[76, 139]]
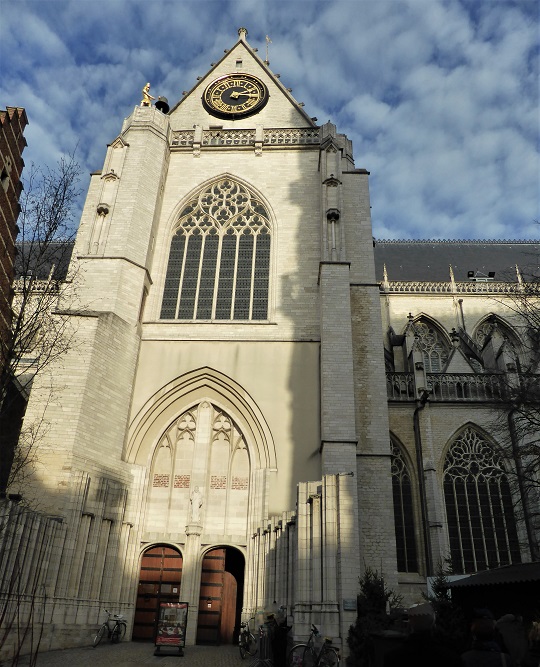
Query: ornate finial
[[518, 274], [242, 33], [147, 98], [385, 283], [268, 41]]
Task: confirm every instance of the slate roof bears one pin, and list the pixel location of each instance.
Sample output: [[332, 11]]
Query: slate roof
[[420, 260], [56, 256], [508, 574], [429, 260]]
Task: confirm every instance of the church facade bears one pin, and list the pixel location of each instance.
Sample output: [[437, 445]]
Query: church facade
[[251, 413]]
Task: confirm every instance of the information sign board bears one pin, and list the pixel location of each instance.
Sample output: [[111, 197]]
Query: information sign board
[[171, 624]]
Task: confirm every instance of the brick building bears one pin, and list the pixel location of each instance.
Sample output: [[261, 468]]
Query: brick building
[[250, 414], [12, 143]]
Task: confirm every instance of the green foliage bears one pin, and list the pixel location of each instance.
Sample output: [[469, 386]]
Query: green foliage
[[372, 617], [451, 627]]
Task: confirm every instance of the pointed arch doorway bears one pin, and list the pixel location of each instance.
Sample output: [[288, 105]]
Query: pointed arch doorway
[[221, 596], [159, 581]]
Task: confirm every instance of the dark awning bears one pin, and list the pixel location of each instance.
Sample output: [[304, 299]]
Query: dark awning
[[508, 574]]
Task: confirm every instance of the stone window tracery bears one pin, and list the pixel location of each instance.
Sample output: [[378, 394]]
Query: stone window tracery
[[481, 522], [204, 447], [433, 346], [491, 330], [219, 259], [407, 560]]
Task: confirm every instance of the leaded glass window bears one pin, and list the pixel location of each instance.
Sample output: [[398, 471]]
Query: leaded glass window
[[481, 522], [407, 560], [433, 347], [219, 261]]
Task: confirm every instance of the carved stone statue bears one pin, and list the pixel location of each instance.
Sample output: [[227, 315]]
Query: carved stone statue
[[147, 98], [196, 504]]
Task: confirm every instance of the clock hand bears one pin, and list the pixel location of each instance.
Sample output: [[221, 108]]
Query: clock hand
[[237, 94]]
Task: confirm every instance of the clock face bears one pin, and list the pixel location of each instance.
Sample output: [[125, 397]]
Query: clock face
[[235, 96]]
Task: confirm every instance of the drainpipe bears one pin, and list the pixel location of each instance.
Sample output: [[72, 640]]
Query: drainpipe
[[421, 404], [533, 547]]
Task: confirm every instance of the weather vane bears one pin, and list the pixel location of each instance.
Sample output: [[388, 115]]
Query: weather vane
[[268, 41]]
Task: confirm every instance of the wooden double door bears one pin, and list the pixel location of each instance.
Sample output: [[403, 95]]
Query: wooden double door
[[159, 581], [220, 599]]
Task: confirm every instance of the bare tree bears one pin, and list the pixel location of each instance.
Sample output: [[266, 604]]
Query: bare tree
[[40, 334], [518, 426]]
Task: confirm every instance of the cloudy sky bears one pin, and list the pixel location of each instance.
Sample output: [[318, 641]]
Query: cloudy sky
[[440, 97]]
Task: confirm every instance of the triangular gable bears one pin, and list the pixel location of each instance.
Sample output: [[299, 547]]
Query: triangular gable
[[457, 363], [282, 110]]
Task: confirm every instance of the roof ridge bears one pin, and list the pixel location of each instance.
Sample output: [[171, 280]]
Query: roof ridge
[[456, 241]]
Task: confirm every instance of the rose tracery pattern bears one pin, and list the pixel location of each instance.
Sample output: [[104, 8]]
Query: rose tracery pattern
[[481, 521], [219, 258]]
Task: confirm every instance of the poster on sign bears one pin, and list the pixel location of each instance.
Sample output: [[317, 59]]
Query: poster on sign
[[171, 625]]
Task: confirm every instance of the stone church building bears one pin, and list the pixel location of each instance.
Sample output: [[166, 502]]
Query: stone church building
[[261, 401]]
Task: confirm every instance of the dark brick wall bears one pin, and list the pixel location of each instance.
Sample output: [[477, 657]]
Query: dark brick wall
[[12, 143]]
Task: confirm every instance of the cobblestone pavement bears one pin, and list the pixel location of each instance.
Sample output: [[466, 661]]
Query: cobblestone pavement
[[139, 654]]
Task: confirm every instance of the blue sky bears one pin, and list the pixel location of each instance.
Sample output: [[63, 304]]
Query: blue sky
[[440, 97]]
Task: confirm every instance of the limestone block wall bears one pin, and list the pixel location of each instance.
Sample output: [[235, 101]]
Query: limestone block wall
[[280, 111], [58, 573], [278, 381], [376, 517], [307, 560], [287, 182]]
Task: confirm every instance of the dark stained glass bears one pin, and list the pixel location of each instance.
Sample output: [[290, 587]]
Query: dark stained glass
[[227, 224], [172, 280], [260, 279], [191, 274], [208, 278], [407, 560], [481, 523], [226, 277], [243, 277]]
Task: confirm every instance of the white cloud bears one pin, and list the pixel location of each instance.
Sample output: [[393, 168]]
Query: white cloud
[[439, 96]]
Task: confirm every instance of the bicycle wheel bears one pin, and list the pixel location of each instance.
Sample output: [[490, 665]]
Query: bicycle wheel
[[301, 655], [242, 646], [329, 658], [251, 645], [118, 632], [310, 657], [100, 634]]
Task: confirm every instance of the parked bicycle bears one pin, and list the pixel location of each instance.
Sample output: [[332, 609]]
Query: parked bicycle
[[247, 642], [310, 655], [115, 627]]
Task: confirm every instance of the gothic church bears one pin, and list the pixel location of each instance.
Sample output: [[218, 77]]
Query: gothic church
[[261, 401]]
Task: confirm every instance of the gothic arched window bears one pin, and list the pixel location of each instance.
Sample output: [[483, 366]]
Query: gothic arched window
[[433, 346], [407, 560], [219, 260], [481, 523], [501, 337]]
